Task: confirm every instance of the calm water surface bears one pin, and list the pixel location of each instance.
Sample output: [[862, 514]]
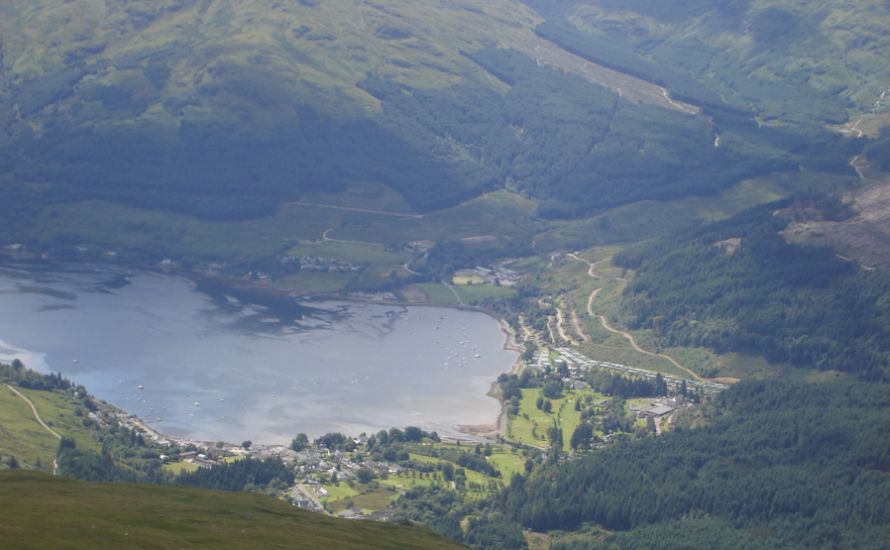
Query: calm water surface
[[213, 367]]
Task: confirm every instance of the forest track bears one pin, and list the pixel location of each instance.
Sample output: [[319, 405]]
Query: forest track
[[627, 336], [631, 88], [360, 210], [578, 328], [40, 421], [34, 410], [456, 295], [560, 326]]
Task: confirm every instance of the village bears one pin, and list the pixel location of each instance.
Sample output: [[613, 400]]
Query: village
[[360, 477]]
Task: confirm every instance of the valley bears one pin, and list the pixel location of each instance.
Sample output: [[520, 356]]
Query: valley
[[563, 275]]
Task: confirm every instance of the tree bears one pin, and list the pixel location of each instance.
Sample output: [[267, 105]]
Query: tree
[[554, 434], [300, 442], [547, 406], [581, 436], [448, 471], [661, 387], [246, 444], [530, 349], [364, 475], [413, 433], [336, 440], [460, 478], [552, 389]]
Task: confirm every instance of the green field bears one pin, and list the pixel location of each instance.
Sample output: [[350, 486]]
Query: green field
[[405, 481], [40, 511], [508, 461], [21, 435], [379, 493], [352, 251], [472, 294], [177, 468], [530, 426], [477, 483], [439, 294], [467, 280]]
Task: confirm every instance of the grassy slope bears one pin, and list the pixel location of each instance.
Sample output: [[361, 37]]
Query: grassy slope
[[318, 58], [41, 511], [377, 494], [21, 435], [309, 45], [822, 47], [533, 430]]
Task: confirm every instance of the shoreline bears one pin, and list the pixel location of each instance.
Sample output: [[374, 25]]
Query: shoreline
[[496, 430], [491, 430]]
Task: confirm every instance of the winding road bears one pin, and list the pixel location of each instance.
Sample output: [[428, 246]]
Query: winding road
[[456, 295], [857, 163], [578, 328], [34, 410], [355, 209], [39, 420], [627, 336]]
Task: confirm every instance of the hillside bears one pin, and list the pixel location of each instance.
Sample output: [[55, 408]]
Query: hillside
[[739, 286], [788, 60], [776, 465], [165, 103], [41, 511], [223, 110]]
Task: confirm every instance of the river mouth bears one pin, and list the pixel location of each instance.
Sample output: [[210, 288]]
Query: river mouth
[[205, 364]]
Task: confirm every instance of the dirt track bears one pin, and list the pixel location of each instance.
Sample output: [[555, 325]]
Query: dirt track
[[627, 336], [634, 89], [34, 410]]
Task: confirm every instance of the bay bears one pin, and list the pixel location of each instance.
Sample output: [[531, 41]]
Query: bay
[[209, 366]]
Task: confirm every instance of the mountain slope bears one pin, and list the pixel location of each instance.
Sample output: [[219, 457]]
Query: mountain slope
[[786, 60], [223, 109], [138, 101], [40, 511]]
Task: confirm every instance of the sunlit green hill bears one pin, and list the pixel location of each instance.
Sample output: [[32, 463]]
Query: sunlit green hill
[[222, 109], [786, 60], [116, 115], [40, 511], [171, 104]]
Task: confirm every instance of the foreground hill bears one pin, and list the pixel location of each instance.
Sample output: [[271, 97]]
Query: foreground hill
[[40, 511]]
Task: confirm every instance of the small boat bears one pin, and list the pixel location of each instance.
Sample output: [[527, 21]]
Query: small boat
[[141, 387], [197, 404]]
